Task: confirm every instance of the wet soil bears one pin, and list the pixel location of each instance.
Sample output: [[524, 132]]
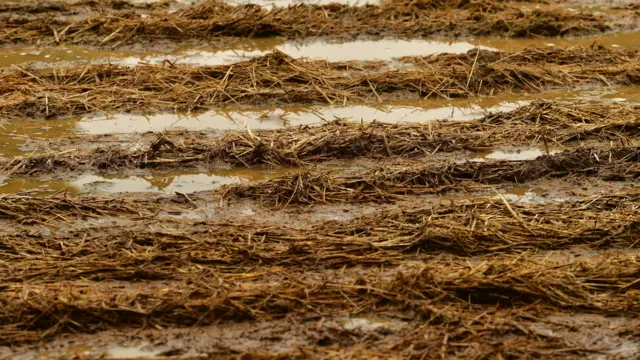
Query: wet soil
[[383, 198], [291, 336]]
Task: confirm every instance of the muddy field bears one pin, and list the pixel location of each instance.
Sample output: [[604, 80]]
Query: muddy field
[[426, 179]]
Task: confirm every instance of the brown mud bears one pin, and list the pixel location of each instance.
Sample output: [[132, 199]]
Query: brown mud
[[326, 337], [397, 18], [436, 206], [202, 272], [278, 79]]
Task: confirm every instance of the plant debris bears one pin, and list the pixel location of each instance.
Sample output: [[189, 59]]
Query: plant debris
[[541, 122], [278, 79], [394, 18], [389, 183], [366, 240]]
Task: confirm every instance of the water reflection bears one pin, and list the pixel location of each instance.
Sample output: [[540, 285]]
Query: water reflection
[[282, 117], [241, 49]]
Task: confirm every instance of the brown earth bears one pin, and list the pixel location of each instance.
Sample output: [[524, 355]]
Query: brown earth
[[373, 240]]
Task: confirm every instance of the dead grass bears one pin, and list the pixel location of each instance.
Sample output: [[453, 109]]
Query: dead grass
[[545, 124], [278, 79], [606, 285], [394, 18], [167, 250], [15, 8], [28, 209], [391, 183]]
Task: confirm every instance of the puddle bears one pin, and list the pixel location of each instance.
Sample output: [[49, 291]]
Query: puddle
[[516, 155], [373, 49], [241, 49], [284, 3], [168, 183], [237, 50], [621, 40], [409, 111], [519, 154], [382, 49], [137, 351], [133, 352], [278, 118], [370, 323], [363, 324], [527, 195], [15, 135]]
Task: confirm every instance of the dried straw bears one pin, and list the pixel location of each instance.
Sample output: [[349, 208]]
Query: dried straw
[[278, 79]]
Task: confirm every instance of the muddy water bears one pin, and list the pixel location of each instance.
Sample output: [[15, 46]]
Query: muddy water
[[165, 182], [517, 154], [15, 135], [242, 49], [238, 50], [283, 3], [621, 40], [276, 118]]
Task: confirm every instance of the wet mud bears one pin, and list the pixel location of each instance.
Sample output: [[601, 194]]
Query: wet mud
[[208, 180], [175, 282]]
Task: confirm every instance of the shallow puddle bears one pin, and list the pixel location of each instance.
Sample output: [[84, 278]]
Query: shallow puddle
[[131, 352], [137, 350], [518, 154], [277, 118], [242, 49], [620, 40], [238, 50], [369, 323], [284, 3], [168, 183], [15, 135], [527, 195]]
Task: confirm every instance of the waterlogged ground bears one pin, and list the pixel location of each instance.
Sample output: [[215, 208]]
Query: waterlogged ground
[[452, 204]]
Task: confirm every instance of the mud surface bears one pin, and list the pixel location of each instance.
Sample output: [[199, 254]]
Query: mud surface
[[207, 180]]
